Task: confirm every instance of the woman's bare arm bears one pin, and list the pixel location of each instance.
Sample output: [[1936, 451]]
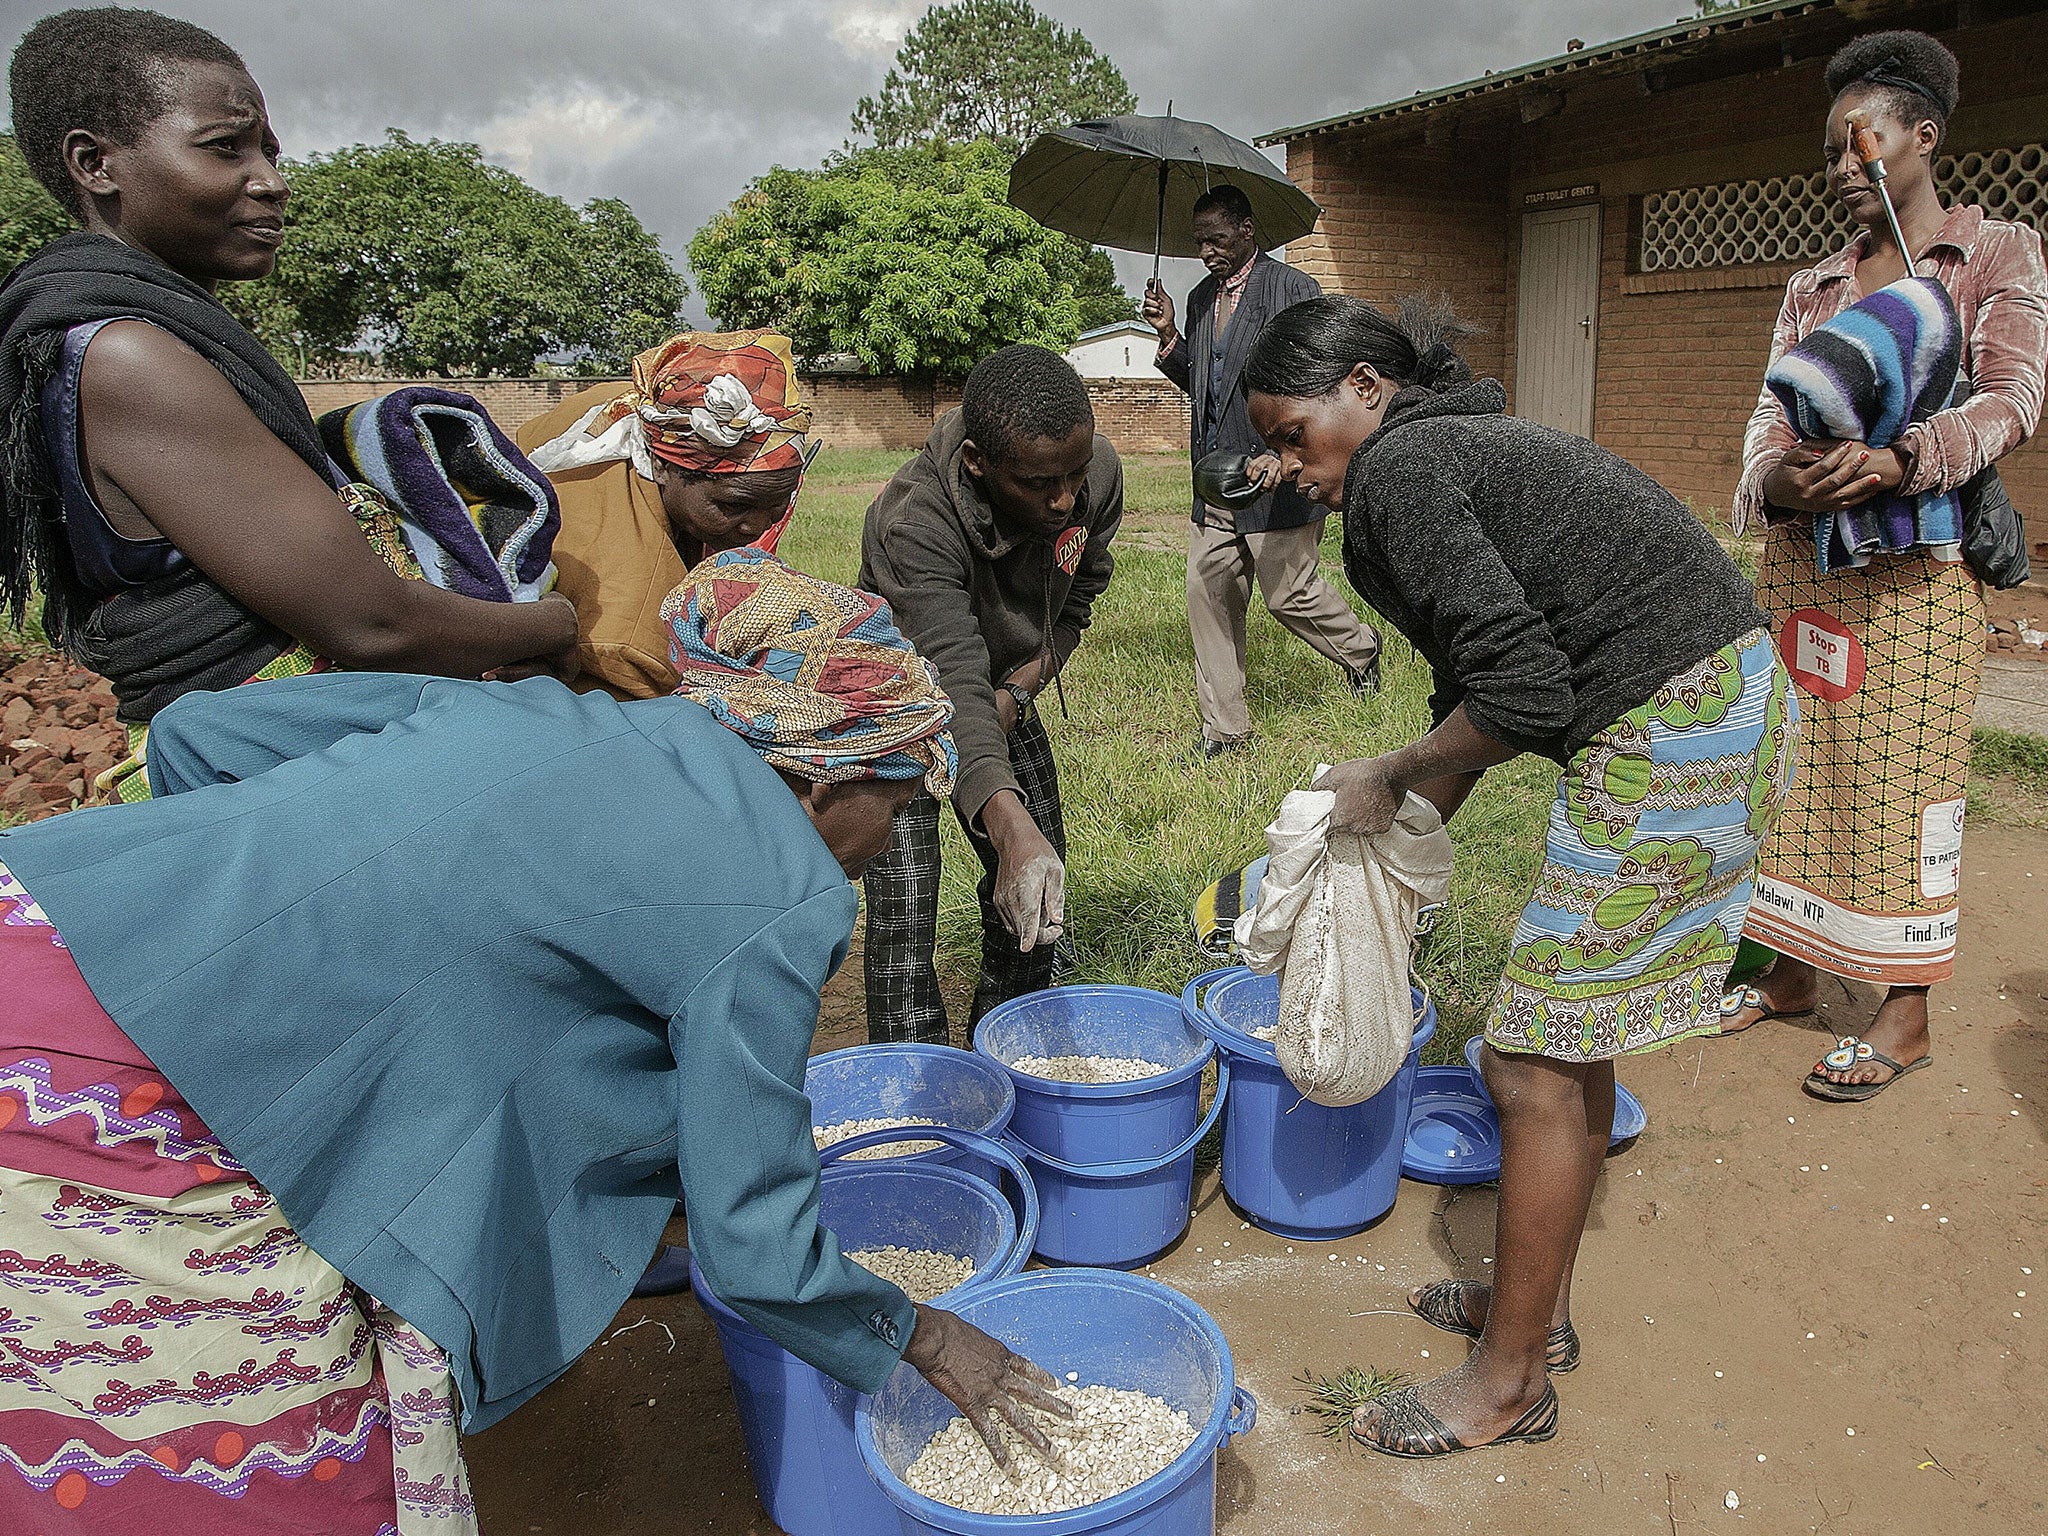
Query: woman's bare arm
[[165, 433]]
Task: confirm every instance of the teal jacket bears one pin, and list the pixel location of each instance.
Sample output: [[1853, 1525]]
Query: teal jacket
[[460, 972]]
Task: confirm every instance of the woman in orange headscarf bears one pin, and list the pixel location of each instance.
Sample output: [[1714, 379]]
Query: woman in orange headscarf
[[704, 453]]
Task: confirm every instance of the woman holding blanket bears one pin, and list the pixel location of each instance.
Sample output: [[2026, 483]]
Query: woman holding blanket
[[1569, 607], [1877, 615], [162, 483], [335, 1104]]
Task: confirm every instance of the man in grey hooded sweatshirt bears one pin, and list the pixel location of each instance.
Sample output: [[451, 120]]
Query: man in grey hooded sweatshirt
[[992, 546]]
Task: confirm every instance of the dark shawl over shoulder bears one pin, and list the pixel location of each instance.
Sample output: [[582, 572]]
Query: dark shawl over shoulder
[[72, 281]]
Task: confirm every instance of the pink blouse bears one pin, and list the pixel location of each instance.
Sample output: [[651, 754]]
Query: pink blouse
[[1993, 270]]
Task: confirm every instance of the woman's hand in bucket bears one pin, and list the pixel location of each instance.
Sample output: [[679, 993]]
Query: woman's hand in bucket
[[1368, 798], [983, 1379]]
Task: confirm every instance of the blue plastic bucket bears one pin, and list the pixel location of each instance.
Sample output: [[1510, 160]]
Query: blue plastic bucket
[[797, 1421], [1118, 1215], [935, 1082], [1087, 1123], [1301, 1170], [1111, 1330]]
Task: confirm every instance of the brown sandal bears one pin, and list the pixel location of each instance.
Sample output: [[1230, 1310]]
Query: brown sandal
[[1442, 1305], [1406, 1428]]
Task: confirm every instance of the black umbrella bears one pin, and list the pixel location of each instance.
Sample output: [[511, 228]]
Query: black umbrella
[[1131, 182]]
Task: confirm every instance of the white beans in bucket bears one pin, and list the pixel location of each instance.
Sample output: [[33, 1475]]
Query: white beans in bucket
[[1115, 1440], [919, 1273], [1088, 1069], [831, 1135]]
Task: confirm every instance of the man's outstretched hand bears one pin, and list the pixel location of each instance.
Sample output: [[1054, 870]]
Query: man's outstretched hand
[[1031, 882]]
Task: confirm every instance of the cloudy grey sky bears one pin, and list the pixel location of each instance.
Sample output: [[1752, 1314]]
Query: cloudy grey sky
[[674, 105]]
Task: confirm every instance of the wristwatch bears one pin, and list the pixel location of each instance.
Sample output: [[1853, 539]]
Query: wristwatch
[[1021, 694]]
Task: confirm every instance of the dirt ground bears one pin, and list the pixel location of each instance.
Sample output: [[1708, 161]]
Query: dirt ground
[[1826, 1310]]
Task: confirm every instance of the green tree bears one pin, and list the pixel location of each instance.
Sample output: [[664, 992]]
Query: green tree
[[29, 217], [911, 259], [990, 69], [1100, 297], [442, 263]]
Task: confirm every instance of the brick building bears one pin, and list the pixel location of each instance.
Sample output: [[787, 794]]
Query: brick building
[[1621, 219]]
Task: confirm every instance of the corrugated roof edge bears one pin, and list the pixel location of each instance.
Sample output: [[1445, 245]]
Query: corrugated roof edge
[[1697, 29], [1111, 329]]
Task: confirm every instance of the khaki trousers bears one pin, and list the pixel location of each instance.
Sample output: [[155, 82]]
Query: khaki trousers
[[1222, 564]]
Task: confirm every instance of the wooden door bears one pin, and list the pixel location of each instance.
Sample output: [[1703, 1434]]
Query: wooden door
[[1557, 317]]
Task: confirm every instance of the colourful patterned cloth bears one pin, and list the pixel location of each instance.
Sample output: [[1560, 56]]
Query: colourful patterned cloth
[[1863, 875], [1647, 872], [711, 402], [1882, 365], [172, 1357], [815, 677], [127, 782]]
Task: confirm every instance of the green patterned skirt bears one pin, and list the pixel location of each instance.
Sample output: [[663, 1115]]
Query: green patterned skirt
[[1650, 863]]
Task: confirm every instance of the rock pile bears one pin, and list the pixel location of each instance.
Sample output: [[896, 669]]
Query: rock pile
[[57, 731]]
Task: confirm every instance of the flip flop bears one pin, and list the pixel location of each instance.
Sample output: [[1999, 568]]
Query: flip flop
[[1851, 1052], [1442, 1305], [1406, 1428], [1735, 999]]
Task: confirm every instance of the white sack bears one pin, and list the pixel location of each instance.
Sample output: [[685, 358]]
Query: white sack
[[1336, 918]]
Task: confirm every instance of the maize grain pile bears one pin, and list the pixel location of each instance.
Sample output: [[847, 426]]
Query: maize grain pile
[[1115, 1441], [920, 1273], [1088, 1069], [827, 1135]]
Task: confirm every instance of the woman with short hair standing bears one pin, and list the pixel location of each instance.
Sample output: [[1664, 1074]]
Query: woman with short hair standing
[[1570, 607], [163, 486], [1861, 877]]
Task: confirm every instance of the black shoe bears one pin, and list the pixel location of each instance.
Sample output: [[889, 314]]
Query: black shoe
[[1365, 682], [1211, 750], [667, 1274]]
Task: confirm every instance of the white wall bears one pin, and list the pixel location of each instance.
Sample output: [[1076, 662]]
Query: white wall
[[1125, 356]]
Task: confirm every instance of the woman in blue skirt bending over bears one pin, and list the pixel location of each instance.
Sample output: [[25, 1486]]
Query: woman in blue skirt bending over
[[1568, 606]]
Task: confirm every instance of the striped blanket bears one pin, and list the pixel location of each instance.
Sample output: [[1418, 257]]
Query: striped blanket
[[1882, 364], [478, 516]]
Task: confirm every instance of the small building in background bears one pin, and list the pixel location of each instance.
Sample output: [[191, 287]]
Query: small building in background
[[1121, 351], [1620, 220]]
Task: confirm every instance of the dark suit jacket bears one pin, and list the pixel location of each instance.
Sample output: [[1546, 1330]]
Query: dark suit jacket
[[1270, 289]]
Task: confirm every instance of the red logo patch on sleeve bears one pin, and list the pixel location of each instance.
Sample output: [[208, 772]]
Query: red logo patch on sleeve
[[1067, 549]]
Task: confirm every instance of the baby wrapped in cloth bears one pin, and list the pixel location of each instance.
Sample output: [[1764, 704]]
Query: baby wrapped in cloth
[[476, 514]]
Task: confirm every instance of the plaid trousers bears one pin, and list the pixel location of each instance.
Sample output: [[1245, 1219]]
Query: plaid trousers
[[902, 889]]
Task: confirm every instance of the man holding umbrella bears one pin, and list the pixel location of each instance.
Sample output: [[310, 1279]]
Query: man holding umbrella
[[1274, 538]]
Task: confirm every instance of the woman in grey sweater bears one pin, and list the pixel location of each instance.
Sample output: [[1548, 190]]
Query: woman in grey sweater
[[1570, 607]]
